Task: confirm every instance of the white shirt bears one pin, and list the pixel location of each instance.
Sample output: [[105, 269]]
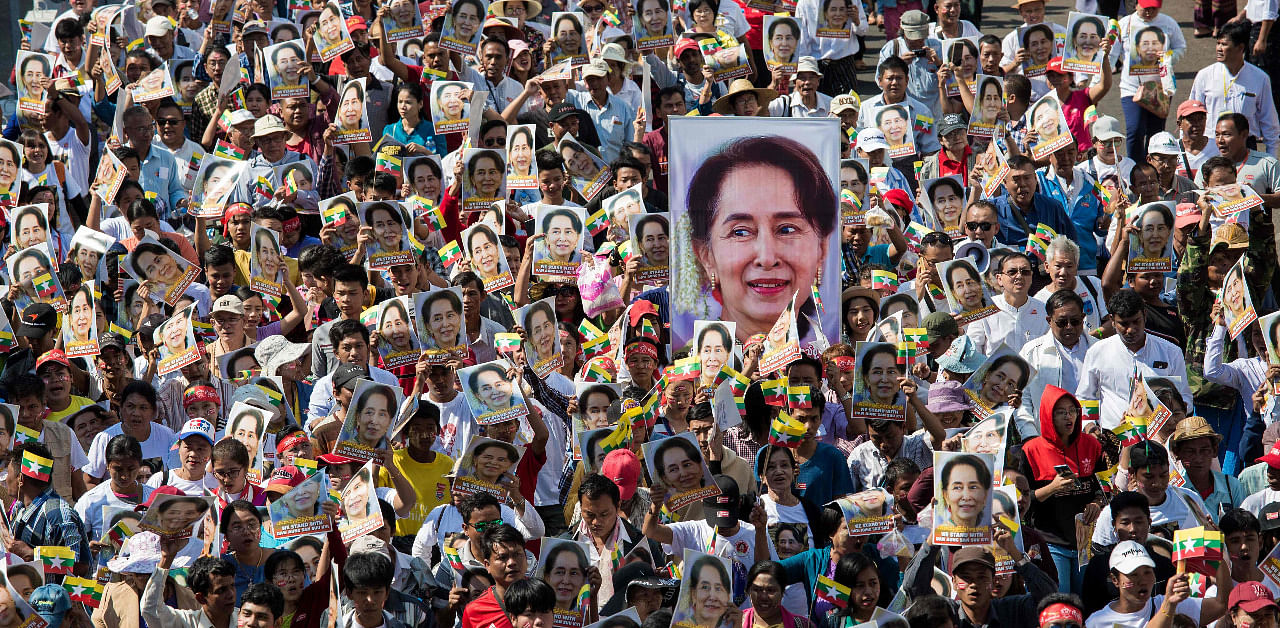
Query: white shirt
[[456, 426], [699, 536], [156, 446], [1107, 618], [1053, 365], [182, 159], [1259, 10], [1195, 160], [1246, 375], [1174, 509], [1095, 309], [778, 108], [72, 151], [1108, 370], [1247, 93], [186, 486], [1129, 24], [967, 29], [1011, 326], [1256, 501]]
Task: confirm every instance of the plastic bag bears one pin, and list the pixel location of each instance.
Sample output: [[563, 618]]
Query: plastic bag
[[895, 544], [595, 286]]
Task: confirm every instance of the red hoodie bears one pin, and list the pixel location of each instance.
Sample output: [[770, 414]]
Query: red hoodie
[[1055, 516], [1047, 451]]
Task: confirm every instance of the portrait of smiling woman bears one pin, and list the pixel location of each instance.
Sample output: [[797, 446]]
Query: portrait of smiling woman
[[754, 218]]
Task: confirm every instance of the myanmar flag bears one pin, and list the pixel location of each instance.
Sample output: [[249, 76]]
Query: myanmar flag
[[847, 196], [24, 434], [7, 340], [1037, 246], [785, 431], [389, 164], [1197, 543], [36, 466], [1045, 232], [685, 368], [262, 187], [450, 253], [883, 280], [621, 435], [597, 222], [434, 219], [56, 559], [833, 592], [506, 342], [775, 391], [611, 19], [44, 286], [1132, 430], [738, 382], [291, 182], [87, 591], [596, 373], [799, 397], [1089, 409], [230, 151], [455, 559], [306, 466]]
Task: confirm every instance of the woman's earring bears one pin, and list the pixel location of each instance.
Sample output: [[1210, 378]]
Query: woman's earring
[[714, 285], [817, 281]]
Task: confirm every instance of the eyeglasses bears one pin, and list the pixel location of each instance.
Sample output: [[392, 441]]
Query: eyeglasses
[[481, 526], [595, 8], [1025, 272], [169, 121], [493, 141], [227, 474], [978, 226], [1063, 323]]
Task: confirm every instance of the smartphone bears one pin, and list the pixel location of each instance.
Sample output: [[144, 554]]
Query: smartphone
[[1062, 469], [921, 52]]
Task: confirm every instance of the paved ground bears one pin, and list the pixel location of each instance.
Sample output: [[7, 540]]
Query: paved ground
[[999, 17]]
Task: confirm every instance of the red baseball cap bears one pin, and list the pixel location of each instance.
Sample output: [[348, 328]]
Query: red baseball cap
[[356, 23], [623, 468], [53, 355], [163, 490], [285, 478], [1251, 597], [336, 459], [1273, 457], [1055, 65], [899, 198], [1186, 214], [1150, 4], [684, 44]]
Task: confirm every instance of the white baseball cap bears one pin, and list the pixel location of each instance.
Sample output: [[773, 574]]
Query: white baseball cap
[[807, 64], [1163, 143], [159, 26], [1130, 555], [1107, 128], [870, 139]]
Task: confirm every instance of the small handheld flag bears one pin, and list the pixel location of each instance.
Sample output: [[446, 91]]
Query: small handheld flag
[[506, 342], [24, 434], [598, 222], [832, 592], [775, 391], [786, 431], [56, 559], [36, 467], [450, 253], [884, 280], [799, 397]]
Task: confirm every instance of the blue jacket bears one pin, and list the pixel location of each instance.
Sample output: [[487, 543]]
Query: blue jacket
[[1043, 210]]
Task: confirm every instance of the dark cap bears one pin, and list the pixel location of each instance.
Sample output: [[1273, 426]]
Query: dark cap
[[37, 320], [1269, 517], [951, 122], [112, 339], [973, 554], [939, 324], [722, 510], [638, 574], [148, 326], [562, 111], [345, 376]]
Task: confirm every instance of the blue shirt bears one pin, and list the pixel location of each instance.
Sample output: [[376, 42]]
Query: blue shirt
[[825, 476], [613, 121], [1043, 209], [160, 175], [1084, 214], [422, 135]]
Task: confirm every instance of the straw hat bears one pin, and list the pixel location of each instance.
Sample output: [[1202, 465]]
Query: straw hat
[[1194, 427], [724, 104]]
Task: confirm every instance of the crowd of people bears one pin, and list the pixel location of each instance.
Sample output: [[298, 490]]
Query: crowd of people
[[599, 314]]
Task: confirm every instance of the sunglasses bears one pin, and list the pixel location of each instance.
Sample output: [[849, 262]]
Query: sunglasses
[[485, 525], [1063, 323], [978, 226], [1025, 272]]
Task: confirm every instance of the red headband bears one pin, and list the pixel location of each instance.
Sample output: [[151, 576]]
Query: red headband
[[1055, 613], [643, 348], [845, 362], [232, 211], [197, 394], [292, 224], [291, 441]]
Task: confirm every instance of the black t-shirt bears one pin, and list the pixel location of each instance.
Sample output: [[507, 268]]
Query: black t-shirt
[[1163, 321]]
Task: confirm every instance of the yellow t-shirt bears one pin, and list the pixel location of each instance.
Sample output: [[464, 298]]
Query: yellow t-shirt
[[77, 403], [428, 481]]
